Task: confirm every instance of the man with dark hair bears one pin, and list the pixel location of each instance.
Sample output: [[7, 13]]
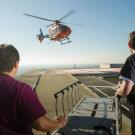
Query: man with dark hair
[[8, 58], [127, 76], [20, 108]]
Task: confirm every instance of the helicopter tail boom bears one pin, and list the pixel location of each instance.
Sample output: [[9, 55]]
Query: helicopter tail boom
[[41, 36]]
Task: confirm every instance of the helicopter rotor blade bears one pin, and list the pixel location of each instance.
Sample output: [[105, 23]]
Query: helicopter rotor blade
[[80, 25], [77, 24], [38, 17], [49, 25], [68, 14]]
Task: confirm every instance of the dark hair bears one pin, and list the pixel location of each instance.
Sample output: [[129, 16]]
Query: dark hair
[[133, 43], [132, 39], [8, 57]]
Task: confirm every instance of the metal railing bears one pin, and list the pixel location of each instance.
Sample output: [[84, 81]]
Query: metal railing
[[67, 98], [69, 95], [37, 82], [71, 99]]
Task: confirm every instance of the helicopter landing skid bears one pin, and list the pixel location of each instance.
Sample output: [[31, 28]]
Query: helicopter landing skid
[[65, 41]]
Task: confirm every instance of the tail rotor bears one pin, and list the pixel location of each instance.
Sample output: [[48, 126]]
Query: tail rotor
[[41, 36]]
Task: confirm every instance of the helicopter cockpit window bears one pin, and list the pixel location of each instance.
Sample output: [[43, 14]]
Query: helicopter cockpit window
[[62, 27]]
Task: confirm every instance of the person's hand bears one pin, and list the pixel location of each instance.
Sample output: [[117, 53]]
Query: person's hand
[[60, 117], [62, 121], [118, 92], [117, 95]]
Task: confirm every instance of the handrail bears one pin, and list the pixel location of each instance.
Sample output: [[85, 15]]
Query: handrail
[[37, 81], [69, 95], [74, 87]]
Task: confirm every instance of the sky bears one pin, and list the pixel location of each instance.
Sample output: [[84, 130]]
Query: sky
[[103, 39]]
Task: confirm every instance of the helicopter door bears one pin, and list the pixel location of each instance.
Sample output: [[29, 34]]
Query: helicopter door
[[52, 32]]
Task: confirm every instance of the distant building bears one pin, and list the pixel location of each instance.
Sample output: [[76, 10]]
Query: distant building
[[111, 65]]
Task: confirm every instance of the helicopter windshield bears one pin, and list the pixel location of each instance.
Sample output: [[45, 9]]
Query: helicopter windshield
[[56, 29]]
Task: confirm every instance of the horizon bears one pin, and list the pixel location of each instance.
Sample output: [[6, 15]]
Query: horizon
[[26, 68], [59, 64]]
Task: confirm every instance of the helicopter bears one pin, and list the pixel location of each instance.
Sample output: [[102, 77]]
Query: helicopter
[[57, 31]]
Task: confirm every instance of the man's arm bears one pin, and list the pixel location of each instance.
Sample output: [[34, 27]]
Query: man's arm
[[34, 112], [124, 88], [45, 124]]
